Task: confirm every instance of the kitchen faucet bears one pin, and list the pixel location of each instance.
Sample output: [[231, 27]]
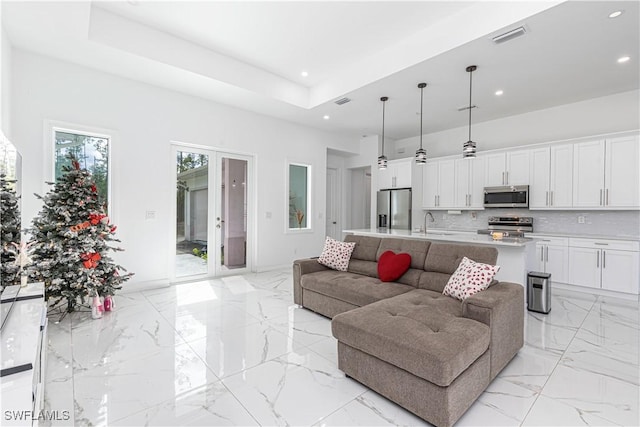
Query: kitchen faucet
[[425, 220]]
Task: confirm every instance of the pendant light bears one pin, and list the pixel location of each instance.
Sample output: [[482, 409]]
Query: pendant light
[[421, 153], [382, 160], [469, 147]]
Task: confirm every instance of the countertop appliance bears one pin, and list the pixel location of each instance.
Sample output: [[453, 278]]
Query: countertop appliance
[[510, 226], [394, 209], [506, 196]]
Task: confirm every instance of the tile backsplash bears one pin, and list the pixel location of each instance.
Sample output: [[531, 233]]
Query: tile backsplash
[[596, 223]]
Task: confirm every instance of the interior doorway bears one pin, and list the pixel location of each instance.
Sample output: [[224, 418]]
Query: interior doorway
[[212, 212], [360, 198], [333, 226]]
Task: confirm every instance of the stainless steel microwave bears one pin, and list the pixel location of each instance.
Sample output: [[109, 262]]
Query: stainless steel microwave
[[506, 196]]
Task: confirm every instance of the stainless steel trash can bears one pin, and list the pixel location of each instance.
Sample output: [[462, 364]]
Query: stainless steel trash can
[[539, 292]]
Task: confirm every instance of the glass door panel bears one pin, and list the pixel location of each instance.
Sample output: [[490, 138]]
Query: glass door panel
[[192, 213], [231, 213]]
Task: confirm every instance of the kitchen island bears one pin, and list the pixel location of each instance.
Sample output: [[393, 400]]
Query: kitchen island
[[516, 256]]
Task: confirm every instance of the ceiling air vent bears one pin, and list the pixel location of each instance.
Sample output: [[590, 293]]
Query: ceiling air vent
[[342, 101], [509, 35]]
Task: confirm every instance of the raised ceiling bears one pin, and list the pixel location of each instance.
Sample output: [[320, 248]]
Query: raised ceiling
[[251, 54]]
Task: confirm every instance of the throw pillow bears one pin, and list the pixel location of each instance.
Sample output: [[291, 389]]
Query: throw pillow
[[392, 266], [469, 278], [336, 254]]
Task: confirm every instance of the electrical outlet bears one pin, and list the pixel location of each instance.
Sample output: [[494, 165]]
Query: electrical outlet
[[474, 216], [150, 215], [580, 219]]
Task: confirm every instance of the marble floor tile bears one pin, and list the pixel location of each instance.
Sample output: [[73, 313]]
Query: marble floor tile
[[551, 412], [303, 326], [211, 405], [597, 394], [530, 368], [230, 351], [107, 393], [502, 404], [327, 348], [541, 334], [371, 409], [299, 388]]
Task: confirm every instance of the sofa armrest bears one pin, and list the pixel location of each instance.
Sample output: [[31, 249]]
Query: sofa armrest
[[501, 307], [300, 268]]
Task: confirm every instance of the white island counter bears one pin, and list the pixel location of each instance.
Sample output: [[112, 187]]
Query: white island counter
[[516, 256]]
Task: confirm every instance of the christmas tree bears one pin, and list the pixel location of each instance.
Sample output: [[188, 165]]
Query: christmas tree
[[9, 233], [72, 235]]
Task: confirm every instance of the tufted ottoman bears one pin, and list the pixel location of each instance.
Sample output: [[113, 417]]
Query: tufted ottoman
[[418, 350]]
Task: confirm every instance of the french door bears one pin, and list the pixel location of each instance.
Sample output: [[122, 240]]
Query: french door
[[213, 221]]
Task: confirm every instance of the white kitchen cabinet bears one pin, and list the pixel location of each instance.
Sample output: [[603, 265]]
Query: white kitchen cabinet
[[622, 172], [605, 264], [606, 174], [553, 257], [438, 184], [551, 177], [507, 168], [469, 183], [396, 175]]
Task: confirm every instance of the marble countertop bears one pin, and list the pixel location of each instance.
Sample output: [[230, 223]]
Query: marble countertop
[[454, 236]]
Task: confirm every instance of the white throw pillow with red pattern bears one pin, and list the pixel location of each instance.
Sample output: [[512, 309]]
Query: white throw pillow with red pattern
[[469, 278], [336, 254]]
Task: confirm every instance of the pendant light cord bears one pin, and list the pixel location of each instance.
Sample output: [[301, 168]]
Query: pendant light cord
[[421, 105], [383, 103], [470, 83]]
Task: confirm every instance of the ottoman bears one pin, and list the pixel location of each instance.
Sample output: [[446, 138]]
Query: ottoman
[[417, 350]]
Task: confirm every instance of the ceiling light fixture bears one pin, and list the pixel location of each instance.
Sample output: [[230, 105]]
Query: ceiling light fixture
[[623, 59], [421, 153], [469, 147], [615, 14], [499, 92], [382, 160], [326, 117], [304, 74]]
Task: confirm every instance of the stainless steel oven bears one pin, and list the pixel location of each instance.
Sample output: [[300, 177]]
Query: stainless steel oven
[[506, 196]]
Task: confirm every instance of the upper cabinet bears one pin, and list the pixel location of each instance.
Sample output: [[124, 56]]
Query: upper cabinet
[[551, 177], [396, 175], [453, 184], [507, 168], [606, 175]]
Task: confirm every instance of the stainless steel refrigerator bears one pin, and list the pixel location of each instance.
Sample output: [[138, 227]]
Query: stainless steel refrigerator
[[394, 209]]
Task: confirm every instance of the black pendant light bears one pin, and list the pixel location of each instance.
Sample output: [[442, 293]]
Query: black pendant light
[[421, 153], [469, 147], [382, 160]]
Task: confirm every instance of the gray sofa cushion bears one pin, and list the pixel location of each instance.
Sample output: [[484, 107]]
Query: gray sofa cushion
[[416, 248], [420, 331], [443, 260], [366, 247], [353, 288]]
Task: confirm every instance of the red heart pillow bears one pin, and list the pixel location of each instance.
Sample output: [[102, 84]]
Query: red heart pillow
[[391, 265]]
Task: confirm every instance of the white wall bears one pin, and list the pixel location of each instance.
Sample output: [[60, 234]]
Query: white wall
[[608, 114], [5, 80], [145, 119]]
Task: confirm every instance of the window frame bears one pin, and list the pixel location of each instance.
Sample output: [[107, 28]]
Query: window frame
[[309, 198]]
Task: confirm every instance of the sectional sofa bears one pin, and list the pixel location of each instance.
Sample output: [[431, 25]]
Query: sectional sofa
[[430, 353]]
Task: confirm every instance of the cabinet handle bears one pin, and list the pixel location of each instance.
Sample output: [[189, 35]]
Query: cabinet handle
[[551, 197], [435, 200], [601, 197], [502, 178], [606, 192], [393, 181], [469, 203], [601, 244], [598, 259], [604, 259], [546, 256], [542, 253], [546, 203], [507, 180]]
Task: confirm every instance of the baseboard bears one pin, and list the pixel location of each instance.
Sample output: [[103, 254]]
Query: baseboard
[[144, 286], [594, 291], [272, 268]]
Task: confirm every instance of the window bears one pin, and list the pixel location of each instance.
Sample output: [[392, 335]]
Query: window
[[91, 151], [299, 186]]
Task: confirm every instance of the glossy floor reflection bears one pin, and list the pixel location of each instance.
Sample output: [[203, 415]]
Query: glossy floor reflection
[[237, 351]]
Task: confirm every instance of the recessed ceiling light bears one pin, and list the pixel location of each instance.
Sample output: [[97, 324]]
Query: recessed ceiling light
[[304, 74], [326, 117], [623, 59], [615, 14], [499, 92]]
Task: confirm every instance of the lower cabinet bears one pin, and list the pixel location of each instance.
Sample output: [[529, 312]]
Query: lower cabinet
[[553, 257], [605, 264]]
